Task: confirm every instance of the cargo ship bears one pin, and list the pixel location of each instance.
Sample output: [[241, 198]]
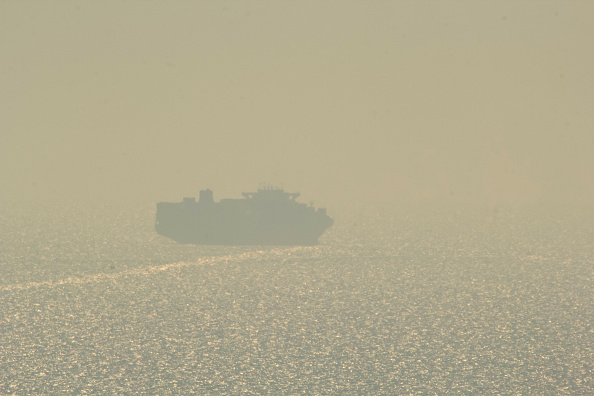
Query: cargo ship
[[269, 216]]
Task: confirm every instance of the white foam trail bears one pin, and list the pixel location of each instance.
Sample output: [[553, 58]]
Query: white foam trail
[[103, 277]]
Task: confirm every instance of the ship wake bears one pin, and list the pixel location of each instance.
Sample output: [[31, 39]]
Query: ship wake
[[147, 271]]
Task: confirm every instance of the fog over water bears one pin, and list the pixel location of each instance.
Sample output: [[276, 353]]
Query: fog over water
[[344, 101], [452, 143]]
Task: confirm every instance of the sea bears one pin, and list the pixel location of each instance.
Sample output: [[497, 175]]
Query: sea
[[393, 301]]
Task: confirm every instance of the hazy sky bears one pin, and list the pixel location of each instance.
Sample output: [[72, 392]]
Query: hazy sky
[[342, 100]]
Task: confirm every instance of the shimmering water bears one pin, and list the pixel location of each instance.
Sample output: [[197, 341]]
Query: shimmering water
[[93, 301]]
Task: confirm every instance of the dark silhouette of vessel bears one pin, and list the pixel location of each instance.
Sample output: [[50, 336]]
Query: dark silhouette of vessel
[[269, 216]]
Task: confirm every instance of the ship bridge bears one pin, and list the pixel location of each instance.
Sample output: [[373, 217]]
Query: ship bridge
[[271, 194]]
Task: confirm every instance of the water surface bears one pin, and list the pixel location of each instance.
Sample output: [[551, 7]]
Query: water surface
[[94, 301]]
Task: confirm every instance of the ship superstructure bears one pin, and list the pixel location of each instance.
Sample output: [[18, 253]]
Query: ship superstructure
[[269, 216]]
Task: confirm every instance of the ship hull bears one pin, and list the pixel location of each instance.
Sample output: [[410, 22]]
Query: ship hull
[[208, 237]]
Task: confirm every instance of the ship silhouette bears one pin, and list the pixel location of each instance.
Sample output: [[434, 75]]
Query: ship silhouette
[[269, 216]]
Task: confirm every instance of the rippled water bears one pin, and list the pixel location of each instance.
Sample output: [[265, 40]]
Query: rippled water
[[93, 301]]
